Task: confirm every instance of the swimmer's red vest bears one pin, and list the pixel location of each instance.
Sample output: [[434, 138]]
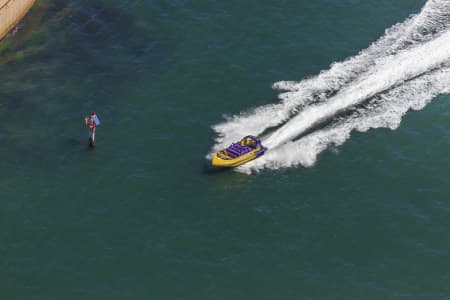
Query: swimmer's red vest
[[91, 124]]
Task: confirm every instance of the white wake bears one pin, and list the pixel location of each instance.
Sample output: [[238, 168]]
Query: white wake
[[405, 69]]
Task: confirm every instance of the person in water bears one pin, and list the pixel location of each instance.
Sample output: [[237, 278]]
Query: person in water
[[91, 123]]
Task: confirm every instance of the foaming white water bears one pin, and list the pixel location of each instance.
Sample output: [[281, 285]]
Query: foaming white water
[[384, 112], [410, 55], [307, 91], [387, 73]]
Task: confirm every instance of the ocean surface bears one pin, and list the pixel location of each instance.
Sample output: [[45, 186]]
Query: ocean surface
[[351, 201]]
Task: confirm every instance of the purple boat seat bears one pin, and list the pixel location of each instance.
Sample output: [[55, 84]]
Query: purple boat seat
[[236, 149], [233, 153]]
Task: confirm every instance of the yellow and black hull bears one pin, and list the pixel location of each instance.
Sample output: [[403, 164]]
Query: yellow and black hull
[[221, 159]]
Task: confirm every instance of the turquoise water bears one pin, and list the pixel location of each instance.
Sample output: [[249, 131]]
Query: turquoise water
[[143, 216]]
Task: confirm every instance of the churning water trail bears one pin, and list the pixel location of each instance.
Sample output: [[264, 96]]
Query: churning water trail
[[403, 70]]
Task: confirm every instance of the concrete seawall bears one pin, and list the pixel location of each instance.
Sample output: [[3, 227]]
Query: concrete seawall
[[11, 12]]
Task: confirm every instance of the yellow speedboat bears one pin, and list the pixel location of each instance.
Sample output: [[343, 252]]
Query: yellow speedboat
[[239, 153]]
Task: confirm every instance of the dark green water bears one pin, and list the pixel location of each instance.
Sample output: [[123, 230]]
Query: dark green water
[[142, 217]]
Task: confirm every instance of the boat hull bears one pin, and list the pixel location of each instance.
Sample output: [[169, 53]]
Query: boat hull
[[220, 159]]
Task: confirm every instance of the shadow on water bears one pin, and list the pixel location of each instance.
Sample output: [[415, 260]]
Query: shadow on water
[[80, 144], [210, 170]]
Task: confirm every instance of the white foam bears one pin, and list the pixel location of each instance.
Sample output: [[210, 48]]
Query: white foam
[[387, 73], [408, 57], [384, 112]]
